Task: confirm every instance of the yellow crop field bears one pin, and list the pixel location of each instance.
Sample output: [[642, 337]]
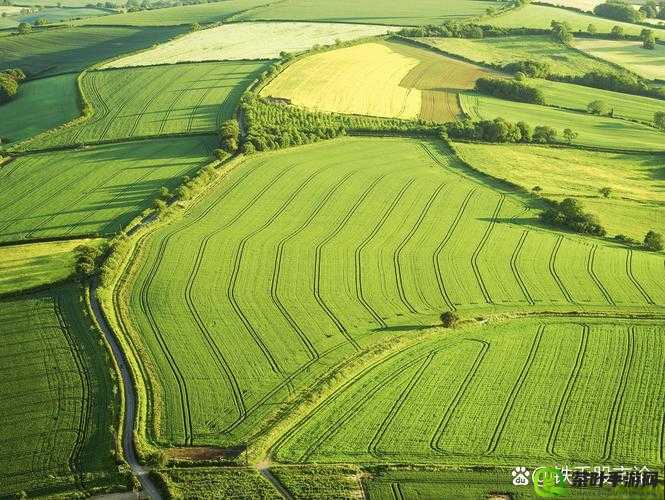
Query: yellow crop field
[[631, 55], [379, 79]]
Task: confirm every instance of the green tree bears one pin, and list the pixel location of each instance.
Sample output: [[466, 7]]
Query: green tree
[[605, 191], [41, 22], [617, 31], [653, 241], [562, 32], [195, 27], [449, 319], [659, 120], [648, 39], [24, 28], [230, 135], [544, 134], [591, 29], [598, 107], [570, 135]]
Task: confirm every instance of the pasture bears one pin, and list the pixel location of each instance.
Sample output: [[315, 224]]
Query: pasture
[[57, 400], [391, 12], [455, 398], [631, 55], [570, 96], [302, 258], [503, 50], [36, 264], [540, 16], [70, 50], [595, 131], [248, 41], [94, 190], [153, 101], [53, 99], [385, 79]]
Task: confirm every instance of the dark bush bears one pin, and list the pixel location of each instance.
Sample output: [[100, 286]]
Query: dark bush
[[570, 214], [510, 89]]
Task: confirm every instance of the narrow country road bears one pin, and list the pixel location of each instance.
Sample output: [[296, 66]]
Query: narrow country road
[[149, 488]]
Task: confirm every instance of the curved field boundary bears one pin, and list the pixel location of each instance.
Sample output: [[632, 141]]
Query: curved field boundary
[[634, 280], [274, 285], [397, 406], [555, 274], [617, 403], [590, 268], [400, 247], [435, 442], [481, 246], [572, 380], [317, 261], [442, 244], [516, 272], [517, 386], [358, 255]]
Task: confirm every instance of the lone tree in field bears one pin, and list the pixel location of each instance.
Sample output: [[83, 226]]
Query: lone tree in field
[[605, 191], [561, 32], [598, 107], [449, 319], [24, 28], [659, 120], [648, 39], [653, 241], [570, 135], [195, 27], [536, 189], [591, 29]]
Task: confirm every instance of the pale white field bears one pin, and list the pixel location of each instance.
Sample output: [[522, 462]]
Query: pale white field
[[254, 40], [588, 5], [10, 9], [631, 55], [363, 79]]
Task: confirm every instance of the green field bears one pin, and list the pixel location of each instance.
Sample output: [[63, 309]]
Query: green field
[[40, 105], [304, 257], [648, 64], [61, 14], [539, 16], [324, 482], [213, 482], [69, 50], [92, 191], [502, 50], [595, 131], [577, 97], [57, 400], [393, 12], [160, 100], [36, 264]]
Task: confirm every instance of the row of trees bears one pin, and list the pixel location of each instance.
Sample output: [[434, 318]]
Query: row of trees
[[10, 80], [510, 89], [622, 10], [502, 131]]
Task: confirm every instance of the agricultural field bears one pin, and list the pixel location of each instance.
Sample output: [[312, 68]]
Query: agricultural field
[[249, 41], [387, 79], [577, 97], [53, 99], [332, 266], [154, 101], [587, 5], [213, 482], [540, 16], [325, 482], [57, 398], [503, 50], [54, 15], [92, 191], [395, 12], [648, 64], [31, 265], [594, 131]]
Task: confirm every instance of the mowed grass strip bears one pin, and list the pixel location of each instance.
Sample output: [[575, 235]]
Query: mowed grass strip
[[160, 100], [648, 64], [302, 257], [386, 79], [506, 49], [594, 131], [36, 264], [394, 12], [475, 394], [249, 40], [53, 100], [69, 50], [57, 397], [92, 191]]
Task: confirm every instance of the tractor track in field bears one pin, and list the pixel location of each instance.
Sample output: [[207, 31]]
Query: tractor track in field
[[317, 262], [359, 249], [400, 247], [397, 406], [572, 380], [633, 278], [514, 259], [617, 402], [435, 442], [591, 260], [274, 285], [439, 249], [555, 274], [481, 246], [515, 390]]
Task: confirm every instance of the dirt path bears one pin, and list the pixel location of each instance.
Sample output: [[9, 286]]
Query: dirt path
[[149, 488], [264, 470]]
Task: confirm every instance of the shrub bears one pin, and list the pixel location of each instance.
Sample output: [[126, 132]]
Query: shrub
[[659, 120], [653, 241], [230, 135], [619, 11], [449, 319], [543, 134], [569, 213], [534, 69], [510, 89], [598, 107], [561, 32], [605, 191]]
